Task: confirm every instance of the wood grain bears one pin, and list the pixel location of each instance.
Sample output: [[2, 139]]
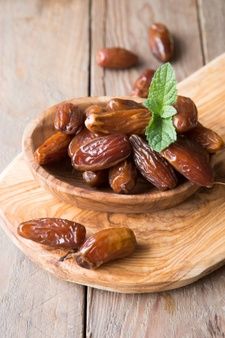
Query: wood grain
[[174, 249], [212, 24], [56, 69], [44, 59], [196, 311], [125, 24]]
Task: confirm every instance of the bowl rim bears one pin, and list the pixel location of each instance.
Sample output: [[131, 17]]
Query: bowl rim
[[87, 193]]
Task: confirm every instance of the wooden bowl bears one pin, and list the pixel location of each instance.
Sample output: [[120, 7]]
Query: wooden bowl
[[67, 184]]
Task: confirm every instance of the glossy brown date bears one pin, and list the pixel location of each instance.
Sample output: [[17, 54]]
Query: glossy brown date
[[80, 139], [161, 42], [191, 160], [94, 108], [116, 58], [122, 177], [105, 246], [129, 117], [152, 166], [207, 138], [95, 178], [121, 104], [53, 232], [187, 114], [53, 149], [102, 153], [127, 121], [142, 84], [68, 118]]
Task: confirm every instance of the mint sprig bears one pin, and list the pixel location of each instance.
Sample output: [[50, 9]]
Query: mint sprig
[[160, 132]]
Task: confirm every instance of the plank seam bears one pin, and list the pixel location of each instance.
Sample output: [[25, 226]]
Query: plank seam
[[104, 42], [89, 45], [89, 94], [85, 313], [200, 20]]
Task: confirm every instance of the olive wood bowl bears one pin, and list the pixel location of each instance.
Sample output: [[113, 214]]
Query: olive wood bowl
[[67, 184]]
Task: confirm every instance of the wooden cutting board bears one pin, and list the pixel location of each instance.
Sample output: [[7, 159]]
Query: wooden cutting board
[[175, 246]]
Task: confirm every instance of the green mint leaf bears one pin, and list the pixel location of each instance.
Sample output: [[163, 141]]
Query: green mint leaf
[[168, 111], [153, 106], [160, 133], [162, 95], [163, 91]]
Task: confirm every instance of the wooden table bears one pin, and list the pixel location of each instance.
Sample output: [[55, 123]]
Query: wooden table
[[48, 52]]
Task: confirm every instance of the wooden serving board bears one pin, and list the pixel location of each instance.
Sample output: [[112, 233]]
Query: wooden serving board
[[175, 246]]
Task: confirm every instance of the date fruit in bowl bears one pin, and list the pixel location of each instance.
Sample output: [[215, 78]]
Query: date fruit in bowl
[[97, 160], [67, 184]]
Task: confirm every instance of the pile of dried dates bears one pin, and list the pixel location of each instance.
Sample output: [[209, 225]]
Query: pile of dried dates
[[102, 247], [106, 144]]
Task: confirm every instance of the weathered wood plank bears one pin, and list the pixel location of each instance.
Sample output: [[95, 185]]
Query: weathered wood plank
[[33, 302], [196, 311], [44, 59], [125, 24], [212, 24]]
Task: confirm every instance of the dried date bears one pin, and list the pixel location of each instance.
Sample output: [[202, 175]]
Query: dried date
[[122, 177], [191, 160], [126, 121], [207, 138], [80, 139], [102, 153], [121, 104], [187, 114], [141, 85], [54, 232], [105, 246], [95, 178], [68, 118], [53, 149], [152, 166], [94, 108], [161, 42], [116, 58]]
